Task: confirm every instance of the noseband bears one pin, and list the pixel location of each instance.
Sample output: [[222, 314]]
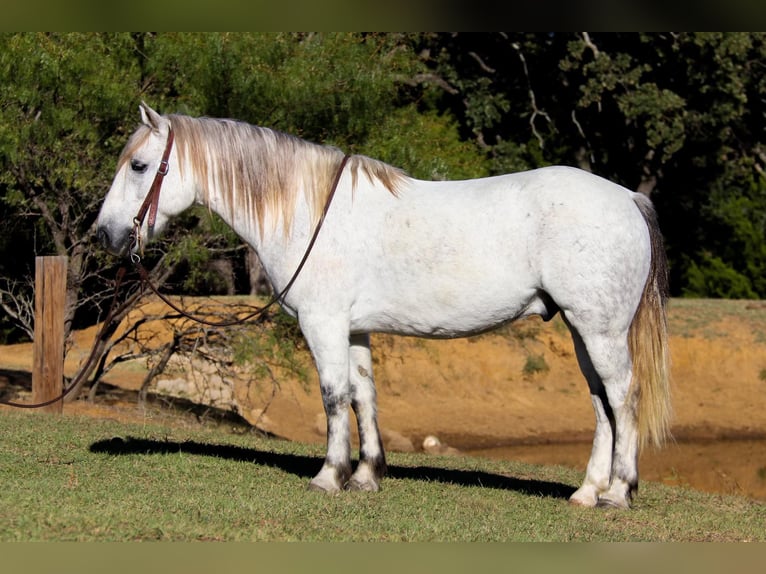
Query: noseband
[[151, 201]]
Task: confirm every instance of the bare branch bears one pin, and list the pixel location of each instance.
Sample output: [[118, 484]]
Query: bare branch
[[481, 63], [120, 310], [18, 302], [584, 137], [418, 79], [167, 351], [532, 100], [761, 156], [589, 44]]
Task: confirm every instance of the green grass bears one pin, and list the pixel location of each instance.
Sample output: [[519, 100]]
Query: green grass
[[535, 364], [80, 479], [701, 317]]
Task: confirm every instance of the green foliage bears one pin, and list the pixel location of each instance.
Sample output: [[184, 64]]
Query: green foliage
[[738, 212], [63, 96], [426, 145], [62, 100], [535, 364], [329, 88], [712, 277]]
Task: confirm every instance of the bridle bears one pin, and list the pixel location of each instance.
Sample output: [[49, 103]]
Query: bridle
[[135, 250], [150, 205], [151, 201]]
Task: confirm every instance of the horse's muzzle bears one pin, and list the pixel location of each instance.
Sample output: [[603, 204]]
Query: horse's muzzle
[[114, 245]]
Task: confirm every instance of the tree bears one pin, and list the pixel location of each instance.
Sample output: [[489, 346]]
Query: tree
[[679, 117], [62, 102]]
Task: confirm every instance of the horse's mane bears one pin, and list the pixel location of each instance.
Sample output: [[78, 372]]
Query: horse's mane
[[261, 170]]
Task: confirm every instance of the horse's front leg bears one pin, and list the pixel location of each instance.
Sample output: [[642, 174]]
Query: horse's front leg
[[372, 459], [327, 337]]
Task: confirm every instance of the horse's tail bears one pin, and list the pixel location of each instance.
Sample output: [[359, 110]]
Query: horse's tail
[[648, 341]]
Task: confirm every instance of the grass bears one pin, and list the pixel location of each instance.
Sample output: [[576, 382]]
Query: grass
[[689, 317], [80, 479], [535, 364]]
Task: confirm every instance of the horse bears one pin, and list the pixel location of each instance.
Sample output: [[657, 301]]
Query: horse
[[435, 259]]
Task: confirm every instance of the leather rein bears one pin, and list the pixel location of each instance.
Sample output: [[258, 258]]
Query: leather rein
[[149, 207]]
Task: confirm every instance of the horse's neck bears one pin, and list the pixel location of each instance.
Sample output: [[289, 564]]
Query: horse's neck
[[277, 248]]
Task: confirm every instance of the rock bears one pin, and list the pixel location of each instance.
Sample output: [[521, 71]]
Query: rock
[[432, 445], [260, 420]]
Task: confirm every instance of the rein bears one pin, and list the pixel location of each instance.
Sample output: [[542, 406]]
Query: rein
[[144, 274], [150, 206]]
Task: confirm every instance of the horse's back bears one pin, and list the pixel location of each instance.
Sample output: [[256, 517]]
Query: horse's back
[[450, 258]]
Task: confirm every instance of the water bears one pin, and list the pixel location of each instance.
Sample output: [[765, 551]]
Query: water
[[719, 466]]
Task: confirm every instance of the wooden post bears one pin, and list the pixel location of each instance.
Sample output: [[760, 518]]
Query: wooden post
[[48, 359]]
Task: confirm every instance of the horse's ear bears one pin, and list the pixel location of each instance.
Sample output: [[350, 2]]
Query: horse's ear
[[151, 118]]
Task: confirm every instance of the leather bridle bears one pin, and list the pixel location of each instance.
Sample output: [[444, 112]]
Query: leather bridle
[[151, 201]]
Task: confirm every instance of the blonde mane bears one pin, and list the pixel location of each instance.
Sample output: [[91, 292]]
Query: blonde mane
[[260, 170]]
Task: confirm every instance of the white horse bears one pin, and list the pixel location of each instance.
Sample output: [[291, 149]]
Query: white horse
[[431, 259]]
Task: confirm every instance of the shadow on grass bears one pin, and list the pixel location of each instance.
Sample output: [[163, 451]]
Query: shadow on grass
[[308, 466], [12, 382]]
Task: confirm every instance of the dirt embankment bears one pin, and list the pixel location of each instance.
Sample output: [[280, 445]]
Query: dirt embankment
[[519, 384]]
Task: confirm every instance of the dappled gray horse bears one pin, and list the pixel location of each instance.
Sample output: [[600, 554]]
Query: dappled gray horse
[[431, 259]]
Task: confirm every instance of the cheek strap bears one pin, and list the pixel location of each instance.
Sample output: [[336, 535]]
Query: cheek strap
[[152, 199]]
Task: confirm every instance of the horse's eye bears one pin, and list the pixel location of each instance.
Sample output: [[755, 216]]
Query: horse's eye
[[137, 166]]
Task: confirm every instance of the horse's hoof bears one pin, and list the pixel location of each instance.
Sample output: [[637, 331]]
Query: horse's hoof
[[584, 496], [318, 486], [363, 486], [621, 504]]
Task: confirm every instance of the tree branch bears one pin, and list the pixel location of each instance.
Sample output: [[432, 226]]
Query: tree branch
[[589, 44], [19, 304], [532, 100], [481, 63]]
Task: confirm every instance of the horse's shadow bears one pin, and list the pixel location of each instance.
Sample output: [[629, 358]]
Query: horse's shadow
[[308, 466]]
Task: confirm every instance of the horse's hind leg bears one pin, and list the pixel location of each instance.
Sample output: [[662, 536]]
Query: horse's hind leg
[[372, 460], [611, 477]]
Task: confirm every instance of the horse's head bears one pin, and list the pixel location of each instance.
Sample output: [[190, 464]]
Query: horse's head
[[126, 205]]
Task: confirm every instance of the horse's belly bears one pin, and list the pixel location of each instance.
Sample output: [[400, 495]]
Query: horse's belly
[[432, 316]]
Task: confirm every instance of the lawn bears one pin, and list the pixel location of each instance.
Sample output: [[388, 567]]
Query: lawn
[[69, 478]]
